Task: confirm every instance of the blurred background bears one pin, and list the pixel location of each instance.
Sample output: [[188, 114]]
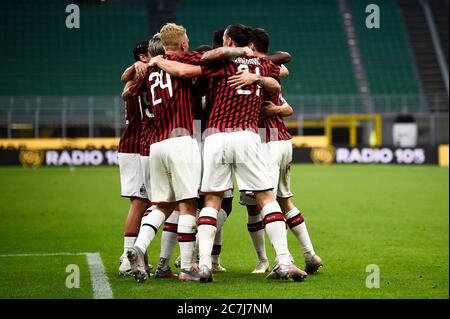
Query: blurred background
[[350, 85]]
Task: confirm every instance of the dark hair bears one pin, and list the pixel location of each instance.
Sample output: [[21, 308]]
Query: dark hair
[[239, 33], [203, 47], [218, 38], [140, 48], [260, 39]]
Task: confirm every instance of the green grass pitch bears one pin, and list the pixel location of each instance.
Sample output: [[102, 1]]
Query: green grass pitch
[[393, 216]]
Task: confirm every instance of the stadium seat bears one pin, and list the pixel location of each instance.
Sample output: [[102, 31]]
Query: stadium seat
[[46, 58], [387, 57]]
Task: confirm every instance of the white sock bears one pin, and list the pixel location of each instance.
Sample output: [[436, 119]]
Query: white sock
[[255, 228], [207, 227], [276, 231], [128, 242], [297, 225], [217, 247], [169, 237], [186, 238], [149, 226]]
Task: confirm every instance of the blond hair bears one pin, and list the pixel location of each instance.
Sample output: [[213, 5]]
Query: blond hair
[[171, 35]]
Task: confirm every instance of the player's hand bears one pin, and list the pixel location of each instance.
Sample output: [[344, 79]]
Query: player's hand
[[268, 109], [141, 69], [248, 51], [154, 61], [242, 78]]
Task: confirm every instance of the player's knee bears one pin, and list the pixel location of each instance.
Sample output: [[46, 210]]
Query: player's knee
[[140, 204], [265, 197], [285, 204], [188, 206], [214, 200], [166, 208]]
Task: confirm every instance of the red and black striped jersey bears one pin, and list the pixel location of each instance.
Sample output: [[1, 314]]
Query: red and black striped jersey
[[170, 100], [204, 99], [140, 93], [237, 108], [275, 129], [130, 139]]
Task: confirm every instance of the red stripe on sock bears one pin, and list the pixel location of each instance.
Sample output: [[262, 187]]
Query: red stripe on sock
[[273, 217], [183, 237], [205, 220], [170, 227], [296, 220], [130, 235], [255, 227]]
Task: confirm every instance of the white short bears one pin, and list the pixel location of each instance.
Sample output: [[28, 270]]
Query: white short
[[175, 169], [131, 177], [279, 155], [228, 193], [239, 153], [145, 167]]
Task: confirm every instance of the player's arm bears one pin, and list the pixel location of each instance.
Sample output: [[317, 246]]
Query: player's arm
[[138, 68], [279, 57], [224, 53], [269, 109], [175, 68], [244, 78], [126, 94]]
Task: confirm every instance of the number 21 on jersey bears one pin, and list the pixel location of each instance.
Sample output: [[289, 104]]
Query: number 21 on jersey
[[244, 67]]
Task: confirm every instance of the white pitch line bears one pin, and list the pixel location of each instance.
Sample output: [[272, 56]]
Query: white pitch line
[[99, 279], [100, 283]]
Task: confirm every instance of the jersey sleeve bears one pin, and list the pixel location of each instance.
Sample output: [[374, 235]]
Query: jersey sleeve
[[275, 98], [192, 57], [210, 71], [137, 88], [272, 70]]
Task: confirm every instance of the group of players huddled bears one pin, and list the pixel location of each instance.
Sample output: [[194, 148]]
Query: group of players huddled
[[194, 121]]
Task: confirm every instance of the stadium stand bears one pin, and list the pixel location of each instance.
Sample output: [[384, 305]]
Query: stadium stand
[[387, 56], [423, 50], [311, 30], [43, 57]]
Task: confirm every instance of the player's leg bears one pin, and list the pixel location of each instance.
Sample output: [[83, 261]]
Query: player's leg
[[168, 242], [138, 206], [206, 232], [292, 214], [161, 193], [187, 238], [255, 229], [150, 224], [224, 212], [251, 176], [132, 186], [217, 178], [297, 225], [185, 168]]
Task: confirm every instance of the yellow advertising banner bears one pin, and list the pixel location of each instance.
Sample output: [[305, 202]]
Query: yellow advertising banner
[[443, 155], [59, 143]]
